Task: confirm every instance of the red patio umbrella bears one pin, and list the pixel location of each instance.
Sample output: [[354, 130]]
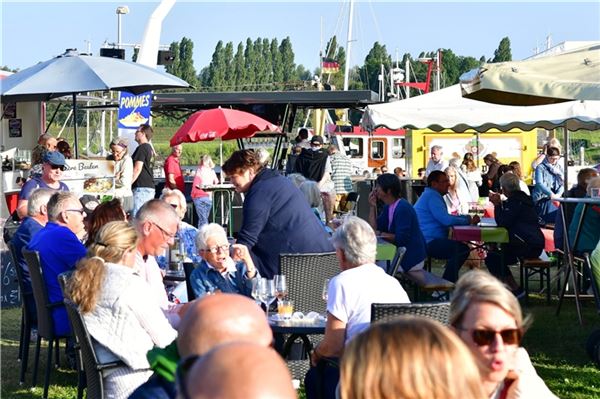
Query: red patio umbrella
[[224, 123]]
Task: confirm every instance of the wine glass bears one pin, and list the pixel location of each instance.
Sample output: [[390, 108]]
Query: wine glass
[[280, 287], [255, 293], [266, 290], [325, 289]]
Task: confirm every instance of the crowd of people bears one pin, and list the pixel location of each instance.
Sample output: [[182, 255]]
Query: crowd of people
[[218, 345]]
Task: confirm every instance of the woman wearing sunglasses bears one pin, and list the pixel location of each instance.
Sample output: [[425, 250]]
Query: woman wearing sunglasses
[[488, 318]]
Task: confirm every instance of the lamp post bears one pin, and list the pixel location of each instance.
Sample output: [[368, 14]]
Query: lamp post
[[121, 10]]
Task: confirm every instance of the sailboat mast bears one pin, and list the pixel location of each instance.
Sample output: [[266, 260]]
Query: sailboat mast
[[348, 45]]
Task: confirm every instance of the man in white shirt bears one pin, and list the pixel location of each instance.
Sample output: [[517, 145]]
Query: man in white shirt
[[435, 161], [156, 223], [350, 295]]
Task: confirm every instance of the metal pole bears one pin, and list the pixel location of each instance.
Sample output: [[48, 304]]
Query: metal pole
[[75, 145], [566, 160], [348, 45], [119, 30]]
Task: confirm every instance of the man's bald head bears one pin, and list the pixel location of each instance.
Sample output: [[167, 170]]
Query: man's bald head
[[222, 318], [240, 370]]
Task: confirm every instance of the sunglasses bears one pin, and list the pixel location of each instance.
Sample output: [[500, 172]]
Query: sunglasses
[[483, 337], [54, 167]]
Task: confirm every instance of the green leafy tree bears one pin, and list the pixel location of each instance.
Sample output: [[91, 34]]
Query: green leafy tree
[[277, 65], [371, 69], [173, 69], [216, 69], [239, 71], [287, 60], [187, 71], [259, 65], [267, 60], [503, 52], [229, 69], [249, 64]]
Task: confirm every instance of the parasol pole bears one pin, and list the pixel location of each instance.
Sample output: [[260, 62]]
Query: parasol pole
[[221, 158], [566, 160], [75, 145]]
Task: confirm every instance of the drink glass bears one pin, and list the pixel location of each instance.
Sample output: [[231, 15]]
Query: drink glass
[[255, 293], [325, 289], [285, 309], [280, 287], [266, 292]]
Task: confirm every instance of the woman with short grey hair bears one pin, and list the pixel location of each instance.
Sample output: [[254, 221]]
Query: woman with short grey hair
[[349, 299], [221, 269]]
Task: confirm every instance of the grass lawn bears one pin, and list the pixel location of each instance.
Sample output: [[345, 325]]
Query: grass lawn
[[556, 345]]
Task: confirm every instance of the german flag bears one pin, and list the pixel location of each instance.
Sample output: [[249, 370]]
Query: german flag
[[329, 65]]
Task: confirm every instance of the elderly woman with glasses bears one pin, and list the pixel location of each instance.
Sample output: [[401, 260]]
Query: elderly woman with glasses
[[218, 270], [488, 318]]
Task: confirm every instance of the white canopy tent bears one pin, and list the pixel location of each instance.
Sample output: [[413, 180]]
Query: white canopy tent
[[447, 109]]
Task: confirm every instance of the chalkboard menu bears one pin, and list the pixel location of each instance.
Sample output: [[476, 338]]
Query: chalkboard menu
[[10, 287]]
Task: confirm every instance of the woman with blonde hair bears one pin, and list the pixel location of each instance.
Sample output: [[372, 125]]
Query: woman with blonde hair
[[205, 176], [123, 172], [409, 358], [118, 308], [488, 318], [457, 199]]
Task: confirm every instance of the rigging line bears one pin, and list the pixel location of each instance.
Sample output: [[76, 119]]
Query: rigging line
[[375, 22]]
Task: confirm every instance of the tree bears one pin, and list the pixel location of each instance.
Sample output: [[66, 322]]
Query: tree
[[277, 65], [239, 71], [503, 52], [249, 64], [229, 70], [187, 71], [371, 69], [216, 69], [287, 60], [173, 69], [267, 61]]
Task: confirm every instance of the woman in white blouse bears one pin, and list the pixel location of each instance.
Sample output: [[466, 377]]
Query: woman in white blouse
[[118, 308], [123, 172]]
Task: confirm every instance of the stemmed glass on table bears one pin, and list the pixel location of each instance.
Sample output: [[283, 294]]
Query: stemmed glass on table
[[280, 287], [266, 292]]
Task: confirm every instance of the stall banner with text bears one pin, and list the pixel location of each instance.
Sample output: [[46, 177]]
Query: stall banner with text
[[92, 177]]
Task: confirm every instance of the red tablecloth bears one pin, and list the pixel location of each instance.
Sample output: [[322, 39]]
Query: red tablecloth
[[548, 240]]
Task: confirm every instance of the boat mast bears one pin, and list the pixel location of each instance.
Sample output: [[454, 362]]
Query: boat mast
[[348, 45]]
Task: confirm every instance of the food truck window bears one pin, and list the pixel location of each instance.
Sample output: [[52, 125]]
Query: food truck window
[[377, 149], [398, 148], [353, 147]]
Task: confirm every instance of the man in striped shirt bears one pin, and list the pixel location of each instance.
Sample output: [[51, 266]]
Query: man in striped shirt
[[341, 169]]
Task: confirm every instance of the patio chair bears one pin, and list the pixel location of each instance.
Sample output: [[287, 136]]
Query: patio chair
[[384, 312], [94, 370], [44, 316], [28, 319], [305, 275]]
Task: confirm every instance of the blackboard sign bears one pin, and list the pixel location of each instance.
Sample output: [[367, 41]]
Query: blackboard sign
[[10, 287]]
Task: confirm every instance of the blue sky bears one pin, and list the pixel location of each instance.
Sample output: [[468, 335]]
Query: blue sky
[[37, 31]]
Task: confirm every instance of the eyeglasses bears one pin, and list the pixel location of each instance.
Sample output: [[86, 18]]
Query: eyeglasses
[[183, 368], [164, 232], [216, 248], [483, 337], [81, 211]]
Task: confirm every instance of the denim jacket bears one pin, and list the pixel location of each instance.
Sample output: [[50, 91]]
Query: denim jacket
[[548, 181], [204, 279]]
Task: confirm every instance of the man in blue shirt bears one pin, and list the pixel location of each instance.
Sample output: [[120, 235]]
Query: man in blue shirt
[[37, 217], [434, 221], [60, 248]]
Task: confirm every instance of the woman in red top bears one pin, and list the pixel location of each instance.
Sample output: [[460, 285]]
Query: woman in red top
[[205, 175]]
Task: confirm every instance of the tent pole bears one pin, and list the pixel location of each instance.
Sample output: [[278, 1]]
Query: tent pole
[[566, 160], [75, 125]]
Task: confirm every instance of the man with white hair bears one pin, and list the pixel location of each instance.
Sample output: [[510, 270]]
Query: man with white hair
[[59, 246], [349, 299], [156, 223], [436, 162], [37, 217]]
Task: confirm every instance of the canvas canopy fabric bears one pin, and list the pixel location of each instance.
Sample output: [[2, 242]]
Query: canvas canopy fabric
[[574, 75], [447, 109]]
